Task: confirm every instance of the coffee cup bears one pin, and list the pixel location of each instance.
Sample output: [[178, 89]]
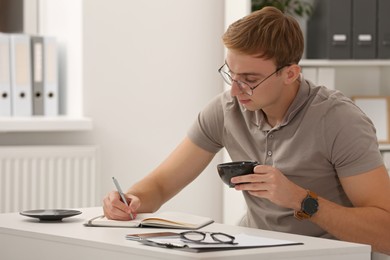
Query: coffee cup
[[232, 169]]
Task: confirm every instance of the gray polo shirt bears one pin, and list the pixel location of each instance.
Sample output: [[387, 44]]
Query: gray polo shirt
[[323, 136]]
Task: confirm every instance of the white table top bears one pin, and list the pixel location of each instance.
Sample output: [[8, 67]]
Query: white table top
[[21, 236]]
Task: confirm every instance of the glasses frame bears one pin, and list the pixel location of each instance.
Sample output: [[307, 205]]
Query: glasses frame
[[249, 91], [213, 235]]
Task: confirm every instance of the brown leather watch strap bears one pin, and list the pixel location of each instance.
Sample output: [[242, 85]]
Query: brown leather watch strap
[[312, 194]]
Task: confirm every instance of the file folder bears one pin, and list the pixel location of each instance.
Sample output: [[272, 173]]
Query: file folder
[[364, 15], [37, 74], [5, 81], [45, 75], [50, 76], [329, 30], [383, 29], [20, 58]]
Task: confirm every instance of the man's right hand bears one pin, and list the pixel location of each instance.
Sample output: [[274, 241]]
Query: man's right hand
[[114, 208]]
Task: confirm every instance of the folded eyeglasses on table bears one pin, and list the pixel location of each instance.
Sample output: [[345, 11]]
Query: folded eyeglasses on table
[[192, 237]]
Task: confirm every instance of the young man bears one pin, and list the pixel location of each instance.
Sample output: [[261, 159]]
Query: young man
[[321, 172]]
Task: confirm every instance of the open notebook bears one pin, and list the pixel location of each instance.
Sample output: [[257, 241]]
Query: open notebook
[[163, 220]]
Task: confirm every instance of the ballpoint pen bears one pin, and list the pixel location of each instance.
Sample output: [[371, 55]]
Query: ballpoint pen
[[118, 188]]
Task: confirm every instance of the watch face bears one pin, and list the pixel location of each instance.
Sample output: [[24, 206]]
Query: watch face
[[310, 206]]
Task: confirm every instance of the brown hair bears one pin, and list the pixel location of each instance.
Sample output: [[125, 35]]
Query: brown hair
[[267, 33]]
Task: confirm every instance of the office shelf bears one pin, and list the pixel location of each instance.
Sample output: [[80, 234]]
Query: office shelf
[[45, 124], [37, 17], [343, 63]]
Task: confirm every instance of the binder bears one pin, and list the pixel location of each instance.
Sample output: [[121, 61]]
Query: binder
[[364, 15], [21, 100], [383, 29], [329, 30], [45, 75], [5, 83], [37, 74], [50, 76]]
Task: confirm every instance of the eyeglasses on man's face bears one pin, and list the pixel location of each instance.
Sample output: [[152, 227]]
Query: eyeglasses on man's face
[[202, 238], [245, 87]]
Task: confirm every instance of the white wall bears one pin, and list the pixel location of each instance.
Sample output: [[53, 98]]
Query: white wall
[[149, 67]]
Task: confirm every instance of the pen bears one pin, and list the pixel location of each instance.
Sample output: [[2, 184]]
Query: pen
[[118, 188]]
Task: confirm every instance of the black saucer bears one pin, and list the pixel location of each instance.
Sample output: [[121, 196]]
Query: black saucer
[[50, 214]]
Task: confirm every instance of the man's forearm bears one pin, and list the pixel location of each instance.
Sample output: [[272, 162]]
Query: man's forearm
[[367, 225]]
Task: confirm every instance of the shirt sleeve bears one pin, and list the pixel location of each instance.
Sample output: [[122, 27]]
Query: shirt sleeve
[[207, 130], [351, 140]]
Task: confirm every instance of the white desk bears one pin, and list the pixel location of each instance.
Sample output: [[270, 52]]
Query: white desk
[[26, 238]]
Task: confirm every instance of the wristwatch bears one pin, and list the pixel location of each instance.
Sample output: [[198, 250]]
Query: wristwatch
[[309, 206]]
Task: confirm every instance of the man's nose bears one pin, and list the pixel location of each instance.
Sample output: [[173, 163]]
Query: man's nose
[[235, 89]]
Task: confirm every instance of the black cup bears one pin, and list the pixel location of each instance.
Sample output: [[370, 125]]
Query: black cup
[[231, 169]]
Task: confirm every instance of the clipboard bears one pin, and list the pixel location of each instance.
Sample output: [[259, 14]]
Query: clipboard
[[242, 241]]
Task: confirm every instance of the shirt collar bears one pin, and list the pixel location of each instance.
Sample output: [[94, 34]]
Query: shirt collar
[[299, 101]]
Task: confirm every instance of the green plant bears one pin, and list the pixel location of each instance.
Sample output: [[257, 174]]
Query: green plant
[[300, 8]]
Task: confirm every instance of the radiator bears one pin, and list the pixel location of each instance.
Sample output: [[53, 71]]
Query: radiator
[[47, 177]]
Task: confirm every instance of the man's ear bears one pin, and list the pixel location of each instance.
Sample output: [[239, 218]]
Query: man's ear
[[293, 71]]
